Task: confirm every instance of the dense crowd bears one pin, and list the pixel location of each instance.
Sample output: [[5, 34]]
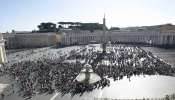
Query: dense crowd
[[49, 74]]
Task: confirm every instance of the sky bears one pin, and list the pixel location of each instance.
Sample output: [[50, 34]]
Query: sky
[[26, 15]]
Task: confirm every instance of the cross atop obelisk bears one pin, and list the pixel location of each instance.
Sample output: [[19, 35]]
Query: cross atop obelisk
[[104, 34]]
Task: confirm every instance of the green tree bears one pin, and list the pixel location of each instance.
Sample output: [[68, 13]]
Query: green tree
[[47, 27], [60, 26], [13, 31], [62, 23], [114, 28], [83, 26]]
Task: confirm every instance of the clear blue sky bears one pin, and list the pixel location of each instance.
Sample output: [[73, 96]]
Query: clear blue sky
[[25, 15]]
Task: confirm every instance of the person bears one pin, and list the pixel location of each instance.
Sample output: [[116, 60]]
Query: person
[[173, 96], [13, 90], [2, 95]]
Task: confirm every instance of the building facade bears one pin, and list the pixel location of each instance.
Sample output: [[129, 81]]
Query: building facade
[[162, 28], [147, 37], [152, 35], [22, 40]]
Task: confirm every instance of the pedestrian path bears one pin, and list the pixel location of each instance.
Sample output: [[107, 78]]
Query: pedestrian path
[[165, 98], [2, 87], [164, 53]]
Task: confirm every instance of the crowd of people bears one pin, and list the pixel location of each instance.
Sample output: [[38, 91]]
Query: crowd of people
[[126, 61], [48, 74]]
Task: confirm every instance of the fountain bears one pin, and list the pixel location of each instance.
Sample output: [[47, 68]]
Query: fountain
[[87, 75]]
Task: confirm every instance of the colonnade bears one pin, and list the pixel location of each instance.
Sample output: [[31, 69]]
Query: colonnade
[[152, 39], [156, 39], [3, 58], [80, 39]]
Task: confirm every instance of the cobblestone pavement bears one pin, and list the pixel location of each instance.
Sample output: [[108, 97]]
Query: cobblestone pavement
[[139, 87], [167, 54]]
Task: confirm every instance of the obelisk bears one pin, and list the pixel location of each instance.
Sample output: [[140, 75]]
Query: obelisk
[[104, 35]]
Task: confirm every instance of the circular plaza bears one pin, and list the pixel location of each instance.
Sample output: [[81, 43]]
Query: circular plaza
[[123, 72]]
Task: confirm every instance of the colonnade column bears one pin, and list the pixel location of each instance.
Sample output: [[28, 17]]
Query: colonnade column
[[68, 40], [62, 39], [165, 39], [127, 38], [65, 41], [3, 50], [136, 38], [1, 54], [3, 58], [159, 40], [155, 39], [173, 39], [72, 40], [171, 42]]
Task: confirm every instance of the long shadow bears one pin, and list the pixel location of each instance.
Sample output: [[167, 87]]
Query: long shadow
[[10, 94], [9, 89]]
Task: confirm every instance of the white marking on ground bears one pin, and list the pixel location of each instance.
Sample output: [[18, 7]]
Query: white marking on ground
[[54, 96], [2, 87], [100, 94]]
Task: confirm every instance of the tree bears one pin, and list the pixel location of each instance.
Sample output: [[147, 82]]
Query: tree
[[33, 31], [62, 23], [60, 26], [83, 26], [47, 27], [114, 28], [13, 31], [71, 27], [91, 30]]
